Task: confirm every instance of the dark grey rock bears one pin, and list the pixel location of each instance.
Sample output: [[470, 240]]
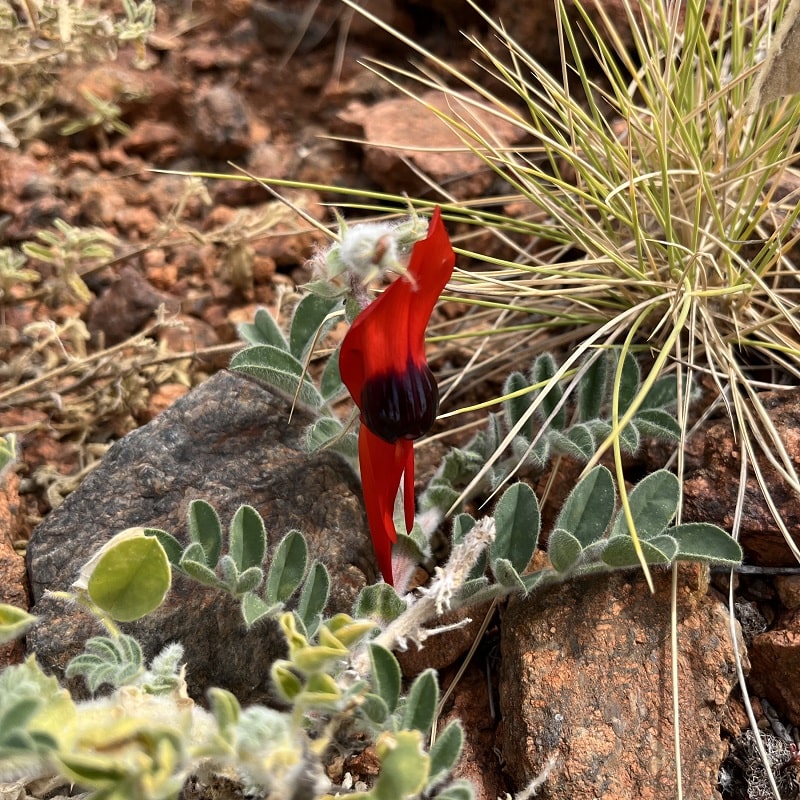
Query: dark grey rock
[[221, 123], [228, 442]]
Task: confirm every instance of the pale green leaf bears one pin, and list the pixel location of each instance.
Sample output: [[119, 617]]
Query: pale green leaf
[[589, 507], [517, 522], [309, 318], [701, 541], [653, 503], [592, 388], [131, 578], [314, 597], [445, 752], [386, 676], [379, 602], [330, 384], [263, 330], [515, 407], [205, 529], [542, 372], [172, 547], [657, 424], [563, 549], [287, 567], [420, 706], [277, 368], [248, 538], [14, 622], [621, 552], [255, 609]]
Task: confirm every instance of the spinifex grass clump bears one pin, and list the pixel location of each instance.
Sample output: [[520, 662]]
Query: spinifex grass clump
[[663, 215]]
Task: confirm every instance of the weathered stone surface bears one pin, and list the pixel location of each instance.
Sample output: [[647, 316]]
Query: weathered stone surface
[[775, 656], [222, 126], [126, 305], [228, 442], [444, 649], [586, 679], [13, 584], [710, 492], [788, 588], [400, 130], [470, 703]]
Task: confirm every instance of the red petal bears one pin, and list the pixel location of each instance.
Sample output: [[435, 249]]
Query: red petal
[[390, 331], [382, 466]]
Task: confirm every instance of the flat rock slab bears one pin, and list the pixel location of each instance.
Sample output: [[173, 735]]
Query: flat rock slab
[[586, 681], [229, 442]]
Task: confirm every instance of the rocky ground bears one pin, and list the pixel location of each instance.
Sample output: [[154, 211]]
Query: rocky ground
[[254, 86]]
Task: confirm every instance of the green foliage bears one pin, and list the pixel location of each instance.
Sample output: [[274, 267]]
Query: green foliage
[[517, 521], [280, 370], [13, 272], [263, 330], [143, 739], [313, 597], [420, 705], [71, 250], [34, 714], [130, 577], [445, 752], [339, 675], [577, 435], [150, 770], [239, 571], [312, 318], [405, 767], [588, 508], [579, 543], [287, 569], [282, 363], [115, 661], [379, 602], [118, 661], [386, 675], [13, 622]]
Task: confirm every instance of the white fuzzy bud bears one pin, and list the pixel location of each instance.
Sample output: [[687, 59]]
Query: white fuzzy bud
[[370, 249]]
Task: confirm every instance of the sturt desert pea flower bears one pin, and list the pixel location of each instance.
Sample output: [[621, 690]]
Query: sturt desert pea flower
[[383, 365]]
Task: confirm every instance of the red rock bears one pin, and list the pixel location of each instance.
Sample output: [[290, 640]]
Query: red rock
[[402, 128], [585, 678], [162, 398], [444, 649], [775, 659], [149, 136], [788, 587], [13, 580], [469, 702], [187, 335], [138, 222], [710, 492]]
